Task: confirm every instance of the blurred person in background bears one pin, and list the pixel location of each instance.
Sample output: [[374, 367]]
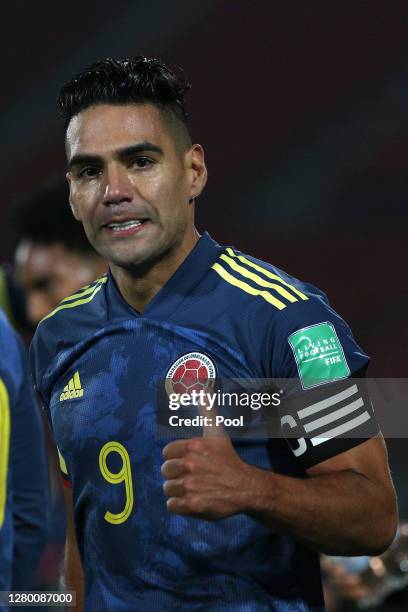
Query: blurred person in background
[[375, 584], [53, 257], [12, 300], [24, 484]]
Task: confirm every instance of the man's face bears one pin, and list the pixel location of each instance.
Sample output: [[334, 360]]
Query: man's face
[[130, 183], [49, 273]]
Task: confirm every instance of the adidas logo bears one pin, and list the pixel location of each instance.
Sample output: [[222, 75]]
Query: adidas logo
[[73, 389]]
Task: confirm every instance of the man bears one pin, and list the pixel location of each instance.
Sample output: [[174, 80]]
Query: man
[[216, 525], [24, 488], [53, 257], [12, 300]]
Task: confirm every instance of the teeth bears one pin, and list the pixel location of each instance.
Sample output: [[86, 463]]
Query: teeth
[[120, 227]]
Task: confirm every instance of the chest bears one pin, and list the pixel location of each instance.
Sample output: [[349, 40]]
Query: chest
[[113, 386]]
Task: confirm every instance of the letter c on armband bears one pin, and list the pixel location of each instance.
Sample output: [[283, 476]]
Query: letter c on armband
[[302, 446]]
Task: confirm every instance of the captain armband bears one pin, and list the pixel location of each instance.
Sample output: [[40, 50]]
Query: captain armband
[[323, 422]]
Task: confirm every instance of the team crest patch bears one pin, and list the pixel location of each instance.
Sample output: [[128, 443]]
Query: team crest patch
[[319, 355], [191, 372]]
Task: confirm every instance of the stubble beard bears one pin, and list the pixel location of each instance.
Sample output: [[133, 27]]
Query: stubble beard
[[141, 263]]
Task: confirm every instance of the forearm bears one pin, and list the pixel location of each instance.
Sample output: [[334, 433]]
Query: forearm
[[346, 505], [341, 513]]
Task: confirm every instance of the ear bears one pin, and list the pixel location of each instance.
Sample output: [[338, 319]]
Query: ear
[[198, 171], [72, 203]]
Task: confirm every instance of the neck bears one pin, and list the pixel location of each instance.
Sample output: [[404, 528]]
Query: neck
[[139, 285]]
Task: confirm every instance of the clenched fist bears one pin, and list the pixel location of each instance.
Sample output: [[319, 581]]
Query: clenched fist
[[205, 478]]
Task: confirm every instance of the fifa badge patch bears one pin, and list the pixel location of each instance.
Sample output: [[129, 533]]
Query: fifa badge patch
[[191, 372], [319, 355]]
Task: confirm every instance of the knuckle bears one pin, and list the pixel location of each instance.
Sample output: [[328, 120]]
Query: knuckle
[[194, 504], [189, 465], [177, 505], [188, 484], [175, 466], [194, 445], [174, 487]]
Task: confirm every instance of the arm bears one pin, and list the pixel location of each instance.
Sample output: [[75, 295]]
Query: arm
[[72, 577], [73, 573], [30, 484], [346, 506]]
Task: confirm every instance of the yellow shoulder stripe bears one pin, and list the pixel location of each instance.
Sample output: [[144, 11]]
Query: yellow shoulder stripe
[[267, 273], [247, 288], [63, 465], [258, 279], [4, 446], [85, 290], [85, 300]]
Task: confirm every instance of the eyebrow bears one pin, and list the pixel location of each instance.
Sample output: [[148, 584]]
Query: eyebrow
[[141, 147]]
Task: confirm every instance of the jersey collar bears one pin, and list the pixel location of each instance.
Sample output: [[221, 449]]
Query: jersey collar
[[169, 298]]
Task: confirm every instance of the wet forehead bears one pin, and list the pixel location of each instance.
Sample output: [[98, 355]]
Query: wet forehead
[[102, 129]]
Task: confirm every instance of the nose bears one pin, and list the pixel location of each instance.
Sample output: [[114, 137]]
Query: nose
[[118, 187]]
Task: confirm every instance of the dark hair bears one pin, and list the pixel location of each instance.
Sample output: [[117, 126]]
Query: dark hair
[[137, 80], [44, 217]]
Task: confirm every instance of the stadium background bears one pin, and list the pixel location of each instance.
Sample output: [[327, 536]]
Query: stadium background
[[303, 111]]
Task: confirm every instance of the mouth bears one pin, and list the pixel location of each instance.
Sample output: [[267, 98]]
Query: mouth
[[125, 228]]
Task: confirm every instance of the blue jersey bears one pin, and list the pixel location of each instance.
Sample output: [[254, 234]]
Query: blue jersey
[[24, 487], [97, 365]]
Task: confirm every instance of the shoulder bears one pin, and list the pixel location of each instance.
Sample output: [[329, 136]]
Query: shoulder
[[76, 311], [6, 331], [11, 355], [262, 284], [76, 317], [86, 297], [283, 316], [9, 342]]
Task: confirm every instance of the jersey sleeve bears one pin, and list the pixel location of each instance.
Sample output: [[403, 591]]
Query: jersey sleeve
[[24, 484], [30, 483], [325, 408], [39, 352], [42, 350]]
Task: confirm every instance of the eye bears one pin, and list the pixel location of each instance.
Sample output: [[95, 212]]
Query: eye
[[89, 172], [42, 284], [141, 162]]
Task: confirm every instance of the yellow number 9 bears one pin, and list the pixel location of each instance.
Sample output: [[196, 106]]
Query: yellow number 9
[[124, 475], [4, 446]]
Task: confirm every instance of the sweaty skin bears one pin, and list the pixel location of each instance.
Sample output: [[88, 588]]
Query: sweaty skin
[[124, 165]]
